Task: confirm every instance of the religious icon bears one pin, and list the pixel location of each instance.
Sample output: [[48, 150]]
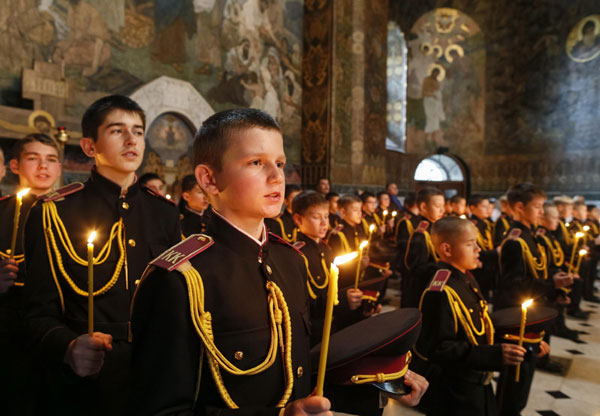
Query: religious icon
[[42, 121], [583, 43]]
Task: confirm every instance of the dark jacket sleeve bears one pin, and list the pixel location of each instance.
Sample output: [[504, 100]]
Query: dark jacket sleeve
[[46, 324], [166, 352], [449, 349]]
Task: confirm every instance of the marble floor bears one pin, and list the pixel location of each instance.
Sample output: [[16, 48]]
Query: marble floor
[[574, 393]]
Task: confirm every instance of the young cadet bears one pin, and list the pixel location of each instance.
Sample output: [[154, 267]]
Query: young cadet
[[458, 205], [154, 182], [369, 210], [193, 206], [420, 253], [503, 222], [284, 225], [90, 374], [334, 217], [524, 275], [592, 222], [311, 217], [221, 320], [383, 204], [457, 337], [323, 186], [578, 224], [486, 273], [36, 162]]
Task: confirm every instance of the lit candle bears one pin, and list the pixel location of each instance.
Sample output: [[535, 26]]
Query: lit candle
[[385, 212], [463, 217], [371, 229], [394, 213], [524, 307], [578, 235], [331, 300], [582, 253], [90, 259], [168, 196], [13, 241], [358, 262]]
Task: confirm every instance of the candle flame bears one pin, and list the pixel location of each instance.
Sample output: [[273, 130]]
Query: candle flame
[[385, 212], [579, 234], [372, 228], [586, 228], [168, 196], [339, 260], [567, 224], [92, 237], [463, 217], [394, 213], [23, 192], [582, 252], [363, 244], [527, 304]]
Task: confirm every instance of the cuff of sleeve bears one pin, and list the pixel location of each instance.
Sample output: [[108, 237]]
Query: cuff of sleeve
[[55, 343]]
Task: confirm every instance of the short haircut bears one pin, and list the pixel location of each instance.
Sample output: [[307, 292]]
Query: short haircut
[[212, 139], [425, 194], [387, 185], [475, 200], [548, 206], [150, 176], [303, 201], [19, 146], [291, 188], [96, 113], [524, 193], [331, 195], [348, 199], [579, 203], [366, 195], [322, 179], [456, 199], [410, 200], [187, 183], [380, 194], [563, 200], [448, 229], [591, 207]]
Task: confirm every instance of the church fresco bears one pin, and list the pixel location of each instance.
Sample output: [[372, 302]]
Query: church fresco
[[237, 53]]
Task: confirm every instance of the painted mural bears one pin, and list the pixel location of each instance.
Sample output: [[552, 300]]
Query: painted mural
[[237, 53], [583, 43], [446, 83]]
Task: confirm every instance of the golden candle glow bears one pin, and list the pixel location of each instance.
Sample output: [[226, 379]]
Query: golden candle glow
[[582, 254], [331, 300], [90, 259], [524, 307], [586, 228], [360, 254], [168, 196], [394, 213], [463, 217], [578, 236], [17, 216]]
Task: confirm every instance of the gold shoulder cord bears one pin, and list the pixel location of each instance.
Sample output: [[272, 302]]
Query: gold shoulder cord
[[284, 234], [534, 264], [344, 240], [461, 314], [202, 320], [378, 220], [50, 219], [558, 256], [565, 233], [486, 243], [311, 279], [428, 243], [409, 227]]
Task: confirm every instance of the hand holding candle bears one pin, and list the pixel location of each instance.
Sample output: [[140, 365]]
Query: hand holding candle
[[578, 235], [524, 307], [358, 262], [17, 216], [90, 259], [331, 300], [582, 254]]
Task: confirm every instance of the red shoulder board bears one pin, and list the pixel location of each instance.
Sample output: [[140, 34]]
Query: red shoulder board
[[422, 227], [439, 280], [182, 252], [540, 231], [514, 234], [299, 244], [278, 239], [151, 192], [62, 192], [337, 229]]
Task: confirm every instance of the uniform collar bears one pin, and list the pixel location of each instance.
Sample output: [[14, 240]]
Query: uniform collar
[[521, 226], [193, 211], [232, 229], [309, 241], [107, 187]]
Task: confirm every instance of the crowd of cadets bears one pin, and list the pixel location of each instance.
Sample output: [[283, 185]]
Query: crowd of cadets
[[202, 308]]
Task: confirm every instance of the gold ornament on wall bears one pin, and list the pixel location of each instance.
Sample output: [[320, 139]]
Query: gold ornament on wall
[[583, 43]]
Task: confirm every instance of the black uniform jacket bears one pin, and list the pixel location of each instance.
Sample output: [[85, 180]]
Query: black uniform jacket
[[193, 222], [167, 348], [517, 282], [96, 206], [283, 226]]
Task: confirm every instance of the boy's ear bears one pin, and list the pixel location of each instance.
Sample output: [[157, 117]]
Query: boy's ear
[[445, 249], [518, 207], [422, 207], [297, 219], [88, 145], [205, 177], [185, 196], [14, 166]]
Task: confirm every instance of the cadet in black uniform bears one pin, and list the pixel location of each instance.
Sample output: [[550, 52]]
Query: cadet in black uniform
[[578, 224], [154, 182], [369, 209], [222, 321], [334, 217], [419, 252], [524, 275], [594, 244], [458, 205], [284, 225], [193, 206], [503, 223], [487, 272], [96, 375], [457, 338], [36, 162]]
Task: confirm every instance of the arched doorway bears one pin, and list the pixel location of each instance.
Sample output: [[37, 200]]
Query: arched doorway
[[447, 172]]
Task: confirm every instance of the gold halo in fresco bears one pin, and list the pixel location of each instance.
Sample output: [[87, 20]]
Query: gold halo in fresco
[[457, 48], [439, 51], [442, 70], [583, 43], [41, 120]]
